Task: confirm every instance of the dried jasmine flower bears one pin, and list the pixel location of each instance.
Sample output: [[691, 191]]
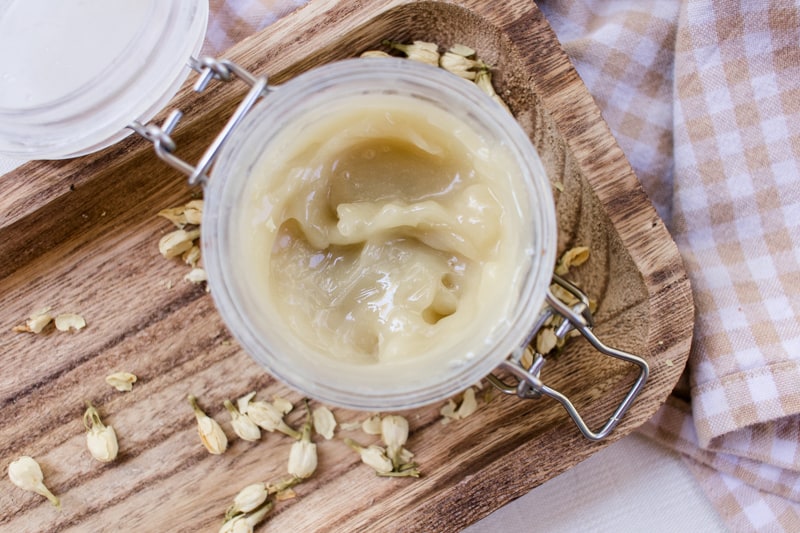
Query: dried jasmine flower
[[284, 405], [573, 257], [211, 434], [191, 256], [242, 425], [373, 456], [460, 65], [100, 438], [374, 53], [244, 523], [26, 474], [122, 381], [546, 340], [394, 432], [483, 79], [177, 242], [36, 322], [196, 275], [303, 454], [68, 321], [266, 415], [193, 212], [372, 425], [324, 422], [248, 499], [174, 215], [418, 51], [467, 407], [462, 50]]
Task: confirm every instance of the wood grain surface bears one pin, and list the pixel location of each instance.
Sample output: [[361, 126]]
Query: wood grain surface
[[81, 236]]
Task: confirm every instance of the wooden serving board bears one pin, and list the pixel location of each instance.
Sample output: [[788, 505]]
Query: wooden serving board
[[81, 236]]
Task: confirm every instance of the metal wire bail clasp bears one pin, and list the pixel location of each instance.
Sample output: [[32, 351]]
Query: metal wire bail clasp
[[529, 384], [208, 69]]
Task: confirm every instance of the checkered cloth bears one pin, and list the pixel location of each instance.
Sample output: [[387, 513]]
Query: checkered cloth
[[704, 98]]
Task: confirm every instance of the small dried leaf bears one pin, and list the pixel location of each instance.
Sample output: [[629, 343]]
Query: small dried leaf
[[122, 381], [67, 321]]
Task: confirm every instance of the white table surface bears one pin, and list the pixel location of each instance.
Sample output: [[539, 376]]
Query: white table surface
[[632, 485]]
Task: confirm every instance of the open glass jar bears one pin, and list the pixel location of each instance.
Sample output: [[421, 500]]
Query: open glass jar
[[272, 124]]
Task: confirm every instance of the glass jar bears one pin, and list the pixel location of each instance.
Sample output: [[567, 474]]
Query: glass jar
[[75, 74], [243, 298]]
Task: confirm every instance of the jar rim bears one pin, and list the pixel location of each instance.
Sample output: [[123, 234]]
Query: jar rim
[[356, 76]]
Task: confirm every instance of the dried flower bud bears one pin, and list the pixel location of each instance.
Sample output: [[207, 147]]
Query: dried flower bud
[[375, 53], [176, 242], [546, 340], [468, 406], [36, 323], [284, 405], [372, 425], [191, 256], [26, 474], [174, 215], [324, 422], [373, 456], [242, 425], [460, 65], [483, 79], [244, 523], [249, 498], [122, 381], [418, 51], [193, 211], [302, 459], [394, 431], [303, 455], [210, 432], [267, 417], [100, 439], [573, 257], [196, 275], [68, 321], [462, 50]]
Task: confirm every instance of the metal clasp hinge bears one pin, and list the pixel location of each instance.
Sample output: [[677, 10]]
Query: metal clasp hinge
[[209, 69], [529, 384]]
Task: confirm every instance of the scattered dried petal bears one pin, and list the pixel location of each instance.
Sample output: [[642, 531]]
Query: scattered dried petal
[[349, 426], [468, 404], [122, 381], [324, 422], [67, 321], [287, 494], [284, 405], [36, 322], [211, 434], [26, 474], [100, 438]]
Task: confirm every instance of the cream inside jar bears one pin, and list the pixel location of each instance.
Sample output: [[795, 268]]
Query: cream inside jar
[[377, 239]]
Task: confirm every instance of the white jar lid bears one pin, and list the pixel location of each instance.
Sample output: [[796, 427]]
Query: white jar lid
[[75, 73]]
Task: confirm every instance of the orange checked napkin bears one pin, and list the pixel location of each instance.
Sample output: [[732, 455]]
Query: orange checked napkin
[[704, 98]]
